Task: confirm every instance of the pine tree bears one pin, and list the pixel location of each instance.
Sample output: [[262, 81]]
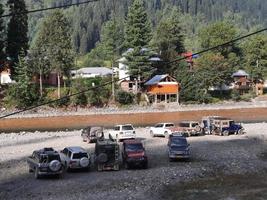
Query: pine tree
[[17, 31], [137, 37], [2, 30], [55, 35], [24, 92], [169, 40]]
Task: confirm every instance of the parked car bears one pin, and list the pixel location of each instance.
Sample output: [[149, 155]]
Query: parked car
[[134, 154], [75, 158], [176, 130], [225, 127], [91, 134], [122, 132], [161, 129], [207, 123], [178, 148], [45, 161], [107, 155], [191, 127]]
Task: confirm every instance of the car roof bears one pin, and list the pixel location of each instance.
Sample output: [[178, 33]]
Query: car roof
[[76, 149]]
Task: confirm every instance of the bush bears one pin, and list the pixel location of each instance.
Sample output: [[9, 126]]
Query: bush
[[235, 95], [124, 98]]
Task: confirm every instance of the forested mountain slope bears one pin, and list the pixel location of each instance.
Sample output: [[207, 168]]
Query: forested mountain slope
[[87, 19]]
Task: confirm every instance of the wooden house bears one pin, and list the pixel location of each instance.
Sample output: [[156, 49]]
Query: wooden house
[[242, 83], [163, 88]]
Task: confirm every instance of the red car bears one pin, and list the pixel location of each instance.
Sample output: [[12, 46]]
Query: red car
[[134, 154]]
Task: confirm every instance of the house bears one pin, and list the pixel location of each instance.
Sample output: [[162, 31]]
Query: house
[[126, 82], [163, 88], [91, 72], [242, 83], [5, 74]]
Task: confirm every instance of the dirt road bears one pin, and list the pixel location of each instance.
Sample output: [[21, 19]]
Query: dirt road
[[215, 161]]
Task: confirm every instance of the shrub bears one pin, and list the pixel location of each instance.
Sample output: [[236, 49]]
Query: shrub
[[124, 97]]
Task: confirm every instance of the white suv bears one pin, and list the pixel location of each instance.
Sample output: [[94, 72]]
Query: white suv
[[161, 129], [121, 132], [75, 158]]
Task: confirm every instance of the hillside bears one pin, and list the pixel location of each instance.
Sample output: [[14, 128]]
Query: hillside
[[88, 19]]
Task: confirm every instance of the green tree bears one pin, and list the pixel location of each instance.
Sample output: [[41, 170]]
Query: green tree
[[255, 56], [219, 33], [169, 40], [17, 30], [24, 91], [137, 37], [55, 37], [2, 30]]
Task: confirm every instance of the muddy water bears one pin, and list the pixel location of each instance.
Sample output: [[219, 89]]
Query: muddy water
[[234, 187], [137, 119]]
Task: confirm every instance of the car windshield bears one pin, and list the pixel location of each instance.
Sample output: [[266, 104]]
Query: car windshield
[[178, 141], [159, 125], [49, 158], [79, 155], [127, 128], [134, 147], [183, 124], [169, 125]]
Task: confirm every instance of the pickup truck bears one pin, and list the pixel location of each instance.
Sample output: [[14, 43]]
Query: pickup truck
[[45, 161], [122, 132]]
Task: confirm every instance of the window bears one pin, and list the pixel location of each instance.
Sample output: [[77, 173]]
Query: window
[[159, 125], [116, 128], [194, 124], [184, 124], [127, 128], [79, 155], [169, 125]]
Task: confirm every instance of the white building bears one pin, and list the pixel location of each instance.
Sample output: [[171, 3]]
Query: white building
[[91, 72]]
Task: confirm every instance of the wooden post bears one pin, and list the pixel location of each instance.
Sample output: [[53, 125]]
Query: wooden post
[[155, 98], [165, 98]]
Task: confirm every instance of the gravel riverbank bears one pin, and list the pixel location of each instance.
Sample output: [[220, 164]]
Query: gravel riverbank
[[212, 156]]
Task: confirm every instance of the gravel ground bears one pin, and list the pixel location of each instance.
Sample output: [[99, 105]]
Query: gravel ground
[[212, 156]]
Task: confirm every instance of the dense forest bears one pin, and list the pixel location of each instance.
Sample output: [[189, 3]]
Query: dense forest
[[87, 20]]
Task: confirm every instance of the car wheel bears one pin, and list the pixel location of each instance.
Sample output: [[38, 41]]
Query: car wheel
[[171, 159], [240, 132], [145, 166], [36, 173], [152, 134], [225, 133], [166, 134], [126, 165]]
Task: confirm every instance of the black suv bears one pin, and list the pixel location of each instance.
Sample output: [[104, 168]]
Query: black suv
[[178, 148], [107, 153], [91, 134], [45, 161]]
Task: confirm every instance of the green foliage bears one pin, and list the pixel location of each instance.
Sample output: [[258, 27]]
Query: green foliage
[[255, 56], [137, 37], [169, 40], [219, 33], [17, 38], [235, 95], [23, 92], [80, 99], [124, 98], [2, 31]]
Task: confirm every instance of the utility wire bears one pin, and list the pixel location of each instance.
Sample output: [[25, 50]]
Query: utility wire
[[65, 97], [220, 45], [50, 8], [110, 82]]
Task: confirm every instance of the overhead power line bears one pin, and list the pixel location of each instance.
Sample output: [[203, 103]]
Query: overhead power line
[[110, 82], [50, 8], [220, 45]]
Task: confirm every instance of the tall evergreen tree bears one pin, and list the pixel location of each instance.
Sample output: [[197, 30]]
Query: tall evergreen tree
[[2, 30], [17, 31], [137, 37], [55, 37], [169, 41]]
